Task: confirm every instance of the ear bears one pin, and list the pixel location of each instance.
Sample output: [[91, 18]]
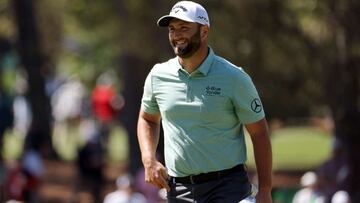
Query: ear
[[204, 31]]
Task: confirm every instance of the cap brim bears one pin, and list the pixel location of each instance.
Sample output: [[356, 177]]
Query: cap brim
[[165, 20]]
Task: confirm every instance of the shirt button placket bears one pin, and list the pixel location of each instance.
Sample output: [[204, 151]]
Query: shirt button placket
[[188, 89]]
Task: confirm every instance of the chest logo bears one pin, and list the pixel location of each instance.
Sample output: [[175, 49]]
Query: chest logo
[[212, 91], [256, 105]]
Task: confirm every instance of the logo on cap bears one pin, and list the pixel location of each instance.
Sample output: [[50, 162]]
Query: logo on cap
[[177, 8], [203, 18]]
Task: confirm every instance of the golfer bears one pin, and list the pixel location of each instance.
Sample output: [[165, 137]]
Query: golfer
[[204, 103]]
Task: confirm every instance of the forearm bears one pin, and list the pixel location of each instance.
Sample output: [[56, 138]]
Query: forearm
[[263, 161], [260, 138], [148, 137]]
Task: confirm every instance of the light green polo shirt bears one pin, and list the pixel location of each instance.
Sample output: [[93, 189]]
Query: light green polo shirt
[[202, 113]]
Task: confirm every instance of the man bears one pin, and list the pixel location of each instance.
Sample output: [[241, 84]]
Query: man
[[125, 192], [203, 102]]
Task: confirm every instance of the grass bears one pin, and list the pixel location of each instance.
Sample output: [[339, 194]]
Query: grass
[[67, 144], [296, 148]]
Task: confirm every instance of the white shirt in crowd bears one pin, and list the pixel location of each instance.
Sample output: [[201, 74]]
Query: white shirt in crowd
[[120, 196]]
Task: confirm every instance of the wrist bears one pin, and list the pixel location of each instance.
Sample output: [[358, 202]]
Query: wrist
[[266, 189], [147, 160]]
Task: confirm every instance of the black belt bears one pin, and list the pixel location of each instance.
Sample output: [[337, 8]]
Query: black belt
[[204, 177]]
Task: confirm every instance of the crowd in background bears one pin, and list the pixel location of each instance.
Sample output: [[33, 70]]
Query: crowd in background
[[327, 184], [94, 112]]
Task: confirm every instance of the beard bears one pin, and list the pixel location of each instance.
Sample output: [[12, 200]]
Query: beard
[[193, 44]]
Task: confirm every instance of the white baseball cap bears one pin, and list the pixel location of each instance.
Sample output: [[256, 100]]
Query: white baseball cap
[[187, 11]]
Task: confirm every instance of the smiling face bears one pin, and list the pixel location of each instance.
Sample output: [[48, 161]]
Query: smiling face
[[184, 37]]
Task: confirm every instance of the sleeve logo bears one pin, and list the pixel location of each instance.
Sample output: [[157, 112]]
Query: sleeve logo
[[256, 105]]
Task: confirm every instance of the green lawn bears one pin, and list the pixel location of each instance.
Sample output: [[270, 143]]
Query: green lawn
[[68, 143], [296, 148]]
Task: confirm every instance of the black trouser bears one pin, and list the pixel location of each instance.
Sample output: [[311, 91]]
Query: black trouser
[[231, 188]]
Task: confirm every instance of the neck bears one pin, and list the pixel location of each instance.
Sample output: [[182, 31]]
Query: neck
[[193, 62]]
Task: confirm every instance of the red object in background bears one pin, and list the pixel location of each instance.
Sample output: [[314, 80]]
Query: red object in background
[[21, 183], [102, 98]]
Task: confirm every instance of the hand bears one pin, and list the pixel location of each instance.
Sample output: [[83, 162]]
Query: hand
[[156, 174], [263, 197]]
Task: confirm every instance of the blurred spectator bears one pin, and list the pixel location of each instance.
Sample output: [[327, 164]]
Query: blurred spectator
[[341, 197], [88, 129], [21, 108], [13, 201], [125, 192], [33, 168], [53, 82], [312, 189], [67, 100], [25, 177], [67, 106], [335, 170], [90, 169], [106, 103]]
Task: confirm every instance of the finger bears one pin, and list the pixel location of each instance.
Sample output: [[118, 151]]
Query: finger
[[157, 185], [151, 179], [166, 178], [163, 172], [163, 183]]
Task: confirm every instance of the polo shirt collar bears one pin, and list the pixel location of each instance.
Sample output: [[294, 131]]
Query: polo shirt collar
[[204, 68]]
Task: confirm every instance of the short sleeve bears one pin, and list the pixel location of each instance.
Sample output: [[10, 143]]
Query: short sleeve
[[148, 101], [246, 100]]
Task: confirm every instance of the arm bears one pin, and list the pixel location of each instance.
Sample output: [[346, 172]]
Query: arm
[[148, 136], [259, 134]]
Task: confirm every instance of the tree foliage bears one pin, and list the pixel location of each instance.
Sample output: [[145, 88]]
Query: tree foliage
[[303, 55]]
